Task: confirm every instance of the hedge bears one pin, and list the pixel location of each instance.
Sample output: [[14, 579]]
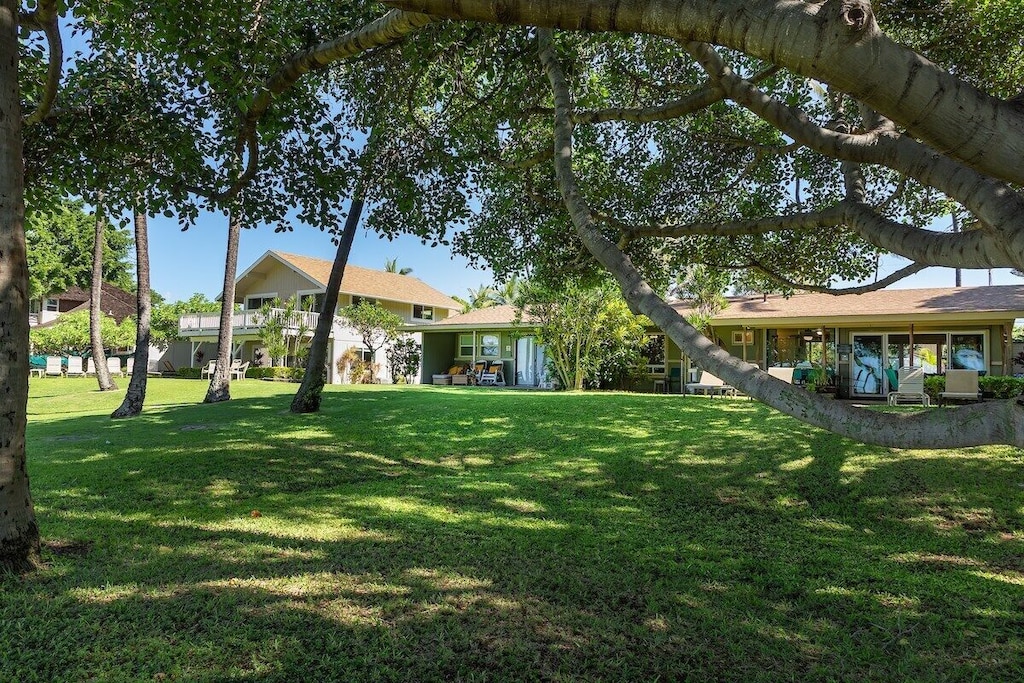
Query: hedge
[[996, 386]]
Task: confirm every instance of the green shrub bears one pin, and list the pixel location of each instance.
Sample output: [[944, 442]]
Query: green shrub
[[1001, 386], [190, 373], [998, 386], [278, 372]]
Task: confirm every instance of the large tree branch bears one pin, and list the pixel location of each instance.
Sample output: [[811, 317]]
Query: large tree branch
[[755, 226], [993, 422], [46, 16], [835, 42], [995, 203], [891, 279]]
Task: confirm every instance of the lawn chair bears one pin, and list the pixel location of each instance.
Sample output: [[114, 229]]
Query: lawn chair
[[238, 371], [129, 366], [494, 376], [710, 385], [785, 374], [909, 387], [53, 367], [90, 367], [114, 366], [152, 369], [961, 385], [208, 371], [75, 367], [479, 368], [169, 367]]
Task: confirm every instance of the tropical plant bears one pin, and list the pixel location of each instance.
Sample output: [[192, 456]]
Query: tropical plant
[[391, 266], [403, 359], [374, 324], [69, 335]]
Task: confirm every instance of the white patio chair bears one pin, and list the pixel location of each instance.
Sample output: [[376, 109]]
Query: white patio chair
[[129, 366], [90, 367], [114, 366], [238, 372], [710, 385], [75, 367], [53, 367], [909, 388], [208, 371]]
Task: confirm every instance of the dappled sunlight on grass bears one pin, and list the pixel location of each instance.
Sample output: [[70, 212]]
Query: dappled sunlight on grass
[[437, 533]]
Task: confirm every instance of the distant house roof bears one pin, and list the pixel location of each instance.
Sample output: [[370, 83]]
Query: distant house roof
[[494, 317], [359, 281], [114, 301], [1002, 302], [887, 305]]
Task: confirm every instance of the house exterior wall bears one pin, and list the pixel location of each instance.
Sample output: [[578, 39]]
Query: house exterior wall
[[280, 281]]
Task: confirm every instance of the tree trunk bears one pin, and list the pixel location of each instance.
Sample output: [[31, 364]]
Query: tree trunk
[[19, 533], [136, 395], [220, 383], [103, 378], [307, 398]]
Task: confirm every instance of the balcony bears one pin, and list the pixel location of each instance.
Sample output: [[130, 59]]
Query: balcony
[[245, 322]]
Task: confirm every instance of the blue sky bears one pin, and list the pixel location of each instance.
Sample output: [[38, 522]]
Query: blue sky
[[193, 261]]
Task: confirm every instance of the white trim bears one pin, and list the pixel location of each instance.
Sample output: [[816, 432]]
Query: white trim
[[299, 293]]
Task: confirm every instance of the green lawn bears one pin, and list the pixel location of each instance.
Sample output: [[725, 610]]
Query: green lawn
[[455, 533]]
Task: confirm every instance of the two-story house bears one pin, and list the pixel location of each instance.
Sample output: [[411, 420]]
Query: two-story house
[[282, 276]]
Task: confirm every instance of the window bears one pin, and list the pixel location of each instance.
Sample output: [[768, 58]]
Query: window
[[367, 356], [312, 302], [33, 306], [465, 346], [653, 350], [422, 312], [356, 300], [743, 337], [490, 344], [254, 303], [967, 351], [51, 305]]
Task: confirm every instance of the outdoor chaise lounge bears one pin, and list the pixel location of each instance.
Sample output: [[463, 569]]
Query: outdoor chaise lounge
[[710, 385], [909, 388], [114, 366], [961, 385], [75, 367], [53, 367], [785, 374]]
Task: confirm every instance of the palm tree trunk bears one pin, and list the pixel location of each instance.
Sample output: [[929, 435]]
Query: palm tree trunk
[[307, 398], [220, 383], [19, 533], [103, 378], [136, 395]]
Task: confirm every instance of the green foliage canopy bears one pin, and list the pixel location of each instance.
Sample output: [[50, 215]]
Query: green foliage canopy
[[69, 335]]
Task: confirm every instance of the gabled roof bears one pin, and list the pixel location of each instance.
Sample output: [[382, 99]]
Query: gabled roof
[[995, 303], [493, 317], [359, 281]]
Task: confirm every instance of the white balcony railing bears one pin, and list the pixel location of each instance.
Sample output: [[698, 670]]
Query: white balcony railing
[[196, 323]]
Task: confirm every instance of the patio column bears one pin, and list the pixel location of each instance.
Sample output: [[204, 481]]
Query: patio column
[[911, 344]]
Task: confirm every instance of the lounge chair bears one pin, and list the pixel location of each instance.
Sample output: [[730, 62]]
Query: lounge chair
[[961, 385], [114, 366], [152, 369], [169, 367], [494, 375], [129, 366], [710, 385], [238, 371], [463, 377], [53, 367], [75, 367], [479, 368], [208, 371], [785, 374], [909, 387]]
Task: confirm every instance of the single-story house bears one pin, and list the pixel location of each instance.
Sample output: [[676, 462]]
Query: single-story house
[[855, 337], [282, 276], [114, 302]]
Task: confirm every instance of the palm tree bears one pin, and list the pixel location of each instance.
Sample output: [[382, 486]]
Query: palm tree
[[509, 291], [479, 297], [391, 266]]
